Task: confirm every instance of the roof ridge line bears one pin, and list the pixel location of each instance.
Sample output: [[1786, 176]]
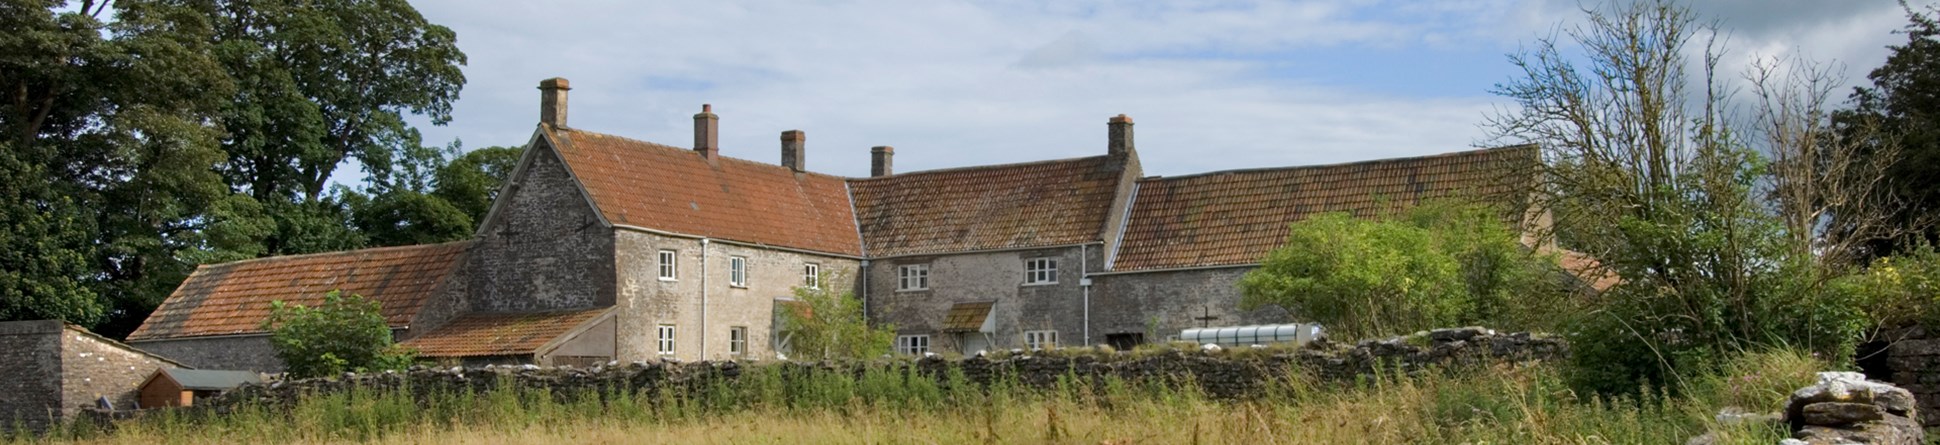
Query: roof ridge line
[[1344, 164], [976, 167], [339, 252], [690, 151]]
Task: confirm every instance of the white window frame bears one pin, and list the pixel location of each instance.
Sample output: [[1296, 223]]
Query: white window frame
[[738, 271], [912, 277], [738, 340], [669, 265], [912, 344], [664, 339], [1040, 271], [812, 275], [1040, 340]]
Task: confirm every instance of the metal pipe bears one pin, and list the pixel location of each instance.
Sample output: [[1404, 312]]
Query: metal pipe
[[1084, 281], [703, 332]]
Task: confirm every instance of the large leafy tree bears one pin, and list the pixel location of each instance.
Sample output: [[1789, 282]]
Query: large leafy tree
[[320, 85], [147, 137], [1898, 117], [109, 158]]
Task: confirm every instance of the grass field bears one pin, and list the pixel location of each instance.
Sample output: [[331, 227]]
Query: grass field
[[1503, 405]]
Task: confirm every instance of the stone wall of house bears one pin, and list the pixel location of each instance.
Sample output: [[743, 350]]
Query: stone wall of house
[[544, 249], [1159, 305], [240, 352], [646, 301], [31, 392], [1226, 374], [54, 371], [983, 277]]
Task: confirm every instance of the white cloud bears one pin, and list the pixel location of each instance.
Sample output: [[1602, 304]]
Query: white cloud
[[955, 83]]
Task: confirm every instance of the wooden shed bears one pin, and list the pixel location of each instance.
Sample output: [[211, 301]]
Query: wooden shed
[[180, 387]]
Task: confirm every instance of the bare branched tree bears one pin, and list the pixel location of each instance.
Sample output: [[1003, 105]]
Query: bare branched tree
[[1826, 185]]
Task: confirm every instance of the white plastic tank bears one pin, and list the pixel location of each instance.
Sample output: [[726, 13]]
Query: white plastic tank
[[1237, 336]]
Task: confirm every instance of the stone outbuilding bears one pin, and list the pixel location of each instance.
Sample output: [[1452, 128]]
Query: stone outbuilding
[[56, 369]]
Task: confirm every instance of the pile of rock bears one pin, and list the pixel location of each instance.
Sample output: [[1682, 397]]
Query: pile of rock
[[1844, 408]]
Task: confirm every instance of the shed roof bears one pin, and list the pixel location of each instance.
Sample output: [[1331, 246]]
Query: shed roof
[[210, 379], [661, 187], [497, 334], [1236, 217], [1033, 204], [234, 298], [967, 317]]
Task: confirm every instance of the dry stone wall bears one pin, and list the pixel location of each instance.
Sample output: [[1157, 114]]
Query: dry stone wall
[[1914, 362], [1225, 374]]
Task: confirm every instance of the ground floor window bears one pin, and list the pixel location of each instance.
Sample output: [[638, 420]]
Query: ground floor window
[[738, 340], [666, 339], [913, 344], [1037, 340]]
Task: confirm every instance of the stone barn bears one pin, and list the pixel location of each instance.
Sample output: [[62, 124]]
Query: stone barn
[[57, 369]]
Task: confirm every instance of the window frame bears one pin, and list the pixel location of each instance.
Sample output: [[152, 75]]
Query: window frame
[[669, 265], [918, 273], [738, 341], [664, 339], [812, 275], [1040, 271], [1036, 340], [738, 271], [907, 344]]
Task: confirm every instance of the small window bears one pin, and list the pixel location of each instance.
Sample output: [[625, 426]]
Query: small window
[[1041, 271], [812, 276], [913, 277], [738, 271], [912, 344], [1039, 340], [667, 271], [738, 340], [666, 339]]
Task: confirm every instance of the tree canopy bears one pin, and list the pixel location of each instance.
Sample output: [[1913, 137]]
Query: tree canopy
[[145, 137]]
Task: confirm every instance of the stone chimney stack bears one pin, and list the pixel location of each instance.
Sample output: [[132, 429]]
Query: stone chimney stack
[[879, 161], [792, 149], [707, 132], [552, 101], [1121, 135]]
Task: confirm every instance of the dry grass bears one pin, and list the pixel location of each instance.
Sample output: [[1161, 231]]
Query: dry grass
[[1511, 405]]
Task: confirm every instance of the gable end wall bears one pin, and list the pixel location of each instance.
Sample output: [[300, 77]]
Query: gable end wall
[[545, 249]]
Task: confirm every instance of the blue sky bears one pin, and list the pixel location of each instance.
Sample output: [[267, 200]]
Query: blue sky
[[1212, 85]]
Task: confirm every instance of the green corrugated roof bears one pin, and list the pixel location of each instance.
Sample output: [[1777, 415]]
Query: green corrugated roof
[[203, 379]]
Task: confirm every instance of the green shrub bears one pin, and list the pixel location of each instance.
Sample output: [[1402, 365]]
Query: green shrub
[[1435, 266], [342, 334], [1898, 291]]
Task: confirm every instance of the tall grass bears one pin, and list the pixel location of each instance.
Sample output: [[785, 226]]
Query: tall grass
[[1506, 404]]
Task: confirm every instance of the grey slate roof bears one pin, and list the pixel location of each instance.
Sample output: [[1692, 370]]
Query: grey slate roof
[[204, 379]]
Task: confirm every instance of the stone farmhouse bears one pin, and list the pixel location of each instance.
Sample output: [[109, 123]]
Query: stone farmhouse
[[605, 248]]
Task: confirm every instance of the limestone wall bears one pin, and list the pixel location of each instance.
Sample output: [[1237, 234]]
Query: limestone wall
[[239, 352], [31, 392], [1913, 359], [1160, 304], [545, 248], [987, 277], [647, 301]]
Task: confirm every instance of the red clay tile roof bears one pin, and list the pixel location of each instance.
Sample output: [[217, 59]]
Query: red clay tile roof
[[1587, 269], [1034, 204], [492, 334], [1235, 217], [660, 187], [234, 298]]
